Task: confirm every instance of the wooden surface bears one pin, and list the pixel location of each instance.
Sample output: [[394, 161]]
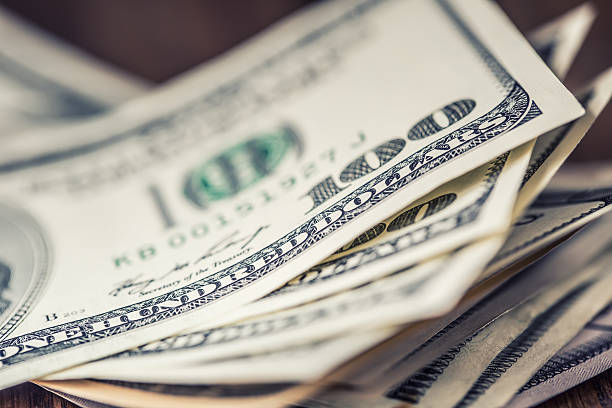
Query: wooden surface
[[596, 393], [31, 396], [158, 39]]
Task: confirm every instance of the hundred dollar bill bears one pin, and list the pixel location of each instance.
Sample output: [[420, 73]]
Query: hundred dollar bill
[[420, 226], [306, 363], [291, 365], [369, 377], [487, 368], [394, 300], [475, 189], [454, 377], [562, 208], [267, 333], [558, 41], [473, 207], [287, 364], [44, 81], [553, 148], [301, 363], [482, 304], [264, 334], [263, 176], [277, 328], [587, 355], [467, 209], [569, 256], [140, 395]]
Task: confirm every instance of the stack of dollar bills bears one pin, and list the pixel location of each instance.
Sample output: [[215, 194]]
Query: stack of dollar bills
[[362, 206]]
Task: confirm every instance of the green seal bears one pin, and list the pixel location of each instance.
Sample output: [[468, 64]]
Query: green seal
[[240, 167]]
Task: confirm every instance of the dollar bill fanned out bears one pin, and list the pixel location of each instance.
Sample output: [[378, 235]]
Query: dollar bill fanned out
[[587, 355], [554, 214], [507, 360], [323, 216], [374, 254], [504, 353], [327, 317], [212, 191]]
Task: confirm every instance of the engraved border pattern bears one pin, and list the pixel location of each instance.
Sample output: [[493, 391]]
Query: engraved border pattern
[[516, 107]]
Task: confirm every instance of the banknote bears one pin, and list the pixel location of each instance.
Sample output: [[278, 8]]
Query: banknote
[[264, 334], [367, 379], [140, 395], [296, 296], [558, 41], [466, 209], [304, 289], [473, 207], [45, 81], [238, 367], [308, 174], [304, 363], [587, 355], [562, 208], [553, 148], [481, 305], [487, 367], [357, 256], [422, 386], [394, 300], [316, 67]]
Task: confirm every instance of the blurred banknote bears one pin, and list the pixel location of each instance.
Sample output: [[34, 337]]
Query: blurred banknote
[[585, 356], [486, 368], [548, 304], [44, 81]]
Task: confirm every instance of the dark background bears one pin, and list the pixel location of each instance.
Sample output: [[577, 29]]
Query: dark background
[[158, 39]]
